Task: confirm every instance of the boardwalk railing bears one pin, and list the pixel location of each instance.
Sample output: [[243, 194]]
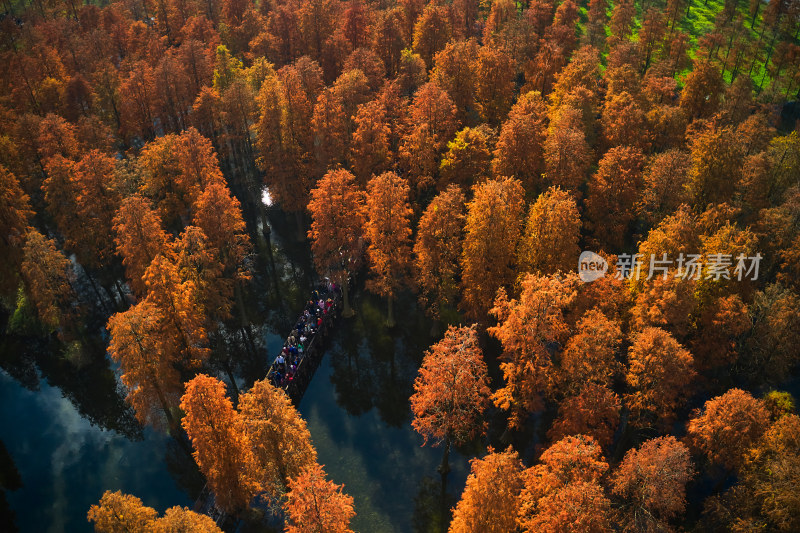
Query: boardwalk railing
[[307, 364], [313, 351]]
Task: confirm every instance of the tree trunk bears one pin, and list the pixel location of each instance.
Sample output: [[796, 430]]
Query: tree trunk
[[301, 233], [122, 297], [444, 469], [96, 291], [234, 387], [435, 330], [347, 311], [240, 304], [390, 319]]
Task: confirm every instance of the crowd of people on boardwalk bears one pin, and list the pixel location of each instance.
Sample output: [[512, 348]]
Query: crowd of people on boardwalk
[[297, 344]]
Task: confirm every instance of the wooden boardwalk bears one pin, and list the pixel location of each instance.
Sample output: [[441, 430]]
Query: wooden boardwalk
[[307, 365]]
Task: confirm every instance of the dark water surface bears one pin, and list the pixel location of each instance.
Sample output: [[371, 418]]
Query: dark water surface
[[70, 436]]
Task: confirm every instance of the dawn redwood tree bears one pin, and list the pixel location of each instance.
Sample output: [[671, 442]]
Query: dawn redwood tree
[[624, 122], [139, 238], [315, 504], [60, 196], [590, 355], [520, 146], [117, 512], [218, 214], [180, 301], [562, 493], [433, 123], [525, 327], [47, 275], [721, 326], [96, 203], [329, 127], [283, 138], [614, 192], [550, 240], [15, 217], [179, 519], [668, 303], [567, 157], [728, 426], [278, 435], [199, 264], [770, 350], [494, 84], [659, 372], [454, 71], [451, 391], [437, 251], [388, 232], [221, 447], [337, 229], [490, 500], [653, 479], [176, 168], [717, 160], [702, 89], [432, 105], [370, 152], [593, 411], [767, 491], [431, 32], [665, 178], [492, 230], [468, 158], [147, 358]]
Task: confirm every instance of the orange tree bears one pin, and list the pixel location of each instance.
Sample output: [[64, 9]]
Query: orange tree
[[388, 231], [451, 391], [337, 225]]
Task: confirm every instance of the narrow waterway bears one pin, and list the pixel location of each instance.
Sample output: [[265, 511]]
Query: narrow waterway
[[69, 435]]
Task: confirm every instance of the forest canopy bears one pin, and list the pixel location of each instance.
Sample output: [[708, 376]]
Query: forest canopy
[[464, 152]]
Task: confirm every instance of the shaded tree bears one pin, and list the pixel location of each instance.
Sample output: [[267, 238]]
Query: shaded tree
[[659, 370], [613, 195], [431, 32], [492, 230], [316, 504], [653, 479], [48, 275], [594, 411], [494, 84], [491, 497], [728, 426], [221, 447], [437, 251], [388, 232], [15, 217], [520, 146], [526, 327], [337, 228], [451, 391], [550, 240], [278, 435]]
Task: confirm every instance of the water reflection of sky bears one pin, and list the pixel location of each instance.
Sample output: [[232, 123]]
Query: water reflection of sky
[[66, 463], [383, 465]]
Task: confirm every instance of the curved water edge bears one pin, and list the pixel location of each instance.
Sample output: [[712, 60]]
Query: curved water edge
[[71, 439]]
